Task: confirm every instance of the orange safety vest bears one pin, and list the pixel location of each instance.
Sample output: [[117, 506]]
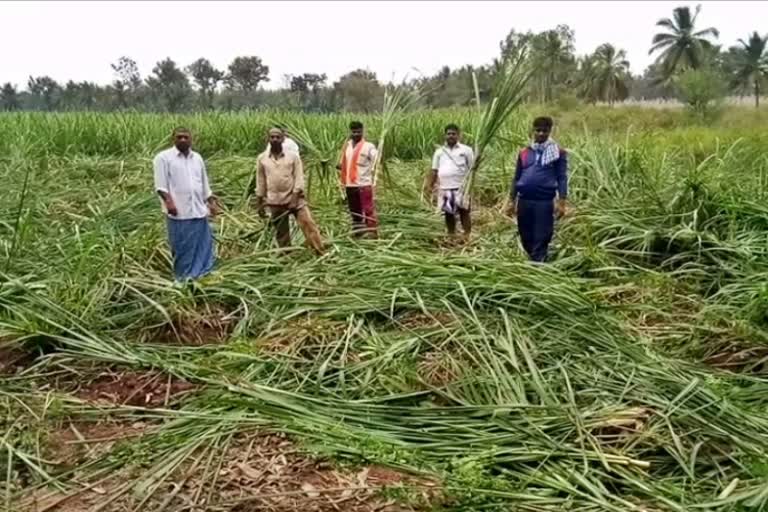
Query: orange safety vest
[[349, 169]]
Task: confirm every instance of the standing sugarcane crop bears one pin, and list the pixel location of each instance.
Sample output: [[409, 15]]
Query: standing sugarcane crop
[[540, 176], [280, 186], [450, 167], [358, 158], [181, 181]]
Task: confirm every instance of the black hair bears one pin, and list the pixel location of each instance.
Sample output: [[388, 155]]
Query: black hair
[[355, 125], [181, 129], [543, 122], [452, 126]]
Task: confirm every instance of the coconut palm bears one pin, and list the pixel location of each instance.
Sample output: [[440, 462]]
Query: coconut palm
[[682, 46], [553, 53], [606, 73], [751, 64], [586, 77]]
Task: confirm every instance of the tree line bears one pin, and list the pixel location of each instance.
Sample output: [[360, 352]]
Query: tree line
[[689, 62]]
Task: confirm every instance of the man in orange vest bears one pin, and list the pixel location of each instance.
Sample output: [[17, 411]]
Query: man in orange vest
[[357, 164]]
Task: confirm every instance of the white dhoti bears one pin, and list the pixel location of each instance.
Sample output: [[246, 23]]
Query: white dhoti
[[451, 201]]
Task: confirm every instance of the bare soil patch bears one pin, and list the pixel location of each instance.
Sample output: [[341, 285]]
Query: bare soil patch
[[14, 359], [114, 386], [264, 473], [268, 473], [76, 441], [148, 389], [73, 443]]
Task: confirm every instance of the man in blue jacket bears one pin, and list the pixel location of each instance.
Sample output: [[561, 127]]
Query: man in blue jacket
[[541, 176]]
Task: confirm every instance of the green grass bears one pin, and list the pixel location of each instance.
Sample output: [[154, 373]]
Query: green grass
[[593, 383]]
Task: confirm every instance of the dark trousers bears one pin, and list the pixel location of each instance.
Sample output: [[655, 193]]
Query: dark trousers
[[464, 216], [362, 210], [536, 223]]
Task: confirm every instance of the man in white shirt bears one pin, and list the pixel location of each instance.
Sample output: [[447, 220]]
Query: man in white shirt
[[357, 166], [181, 181], [450, 167], [289, 145]]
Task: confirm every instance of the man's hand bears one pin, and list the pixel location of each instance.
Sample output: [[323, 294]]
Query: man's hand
[[171, 207], [258, 204], [296, 197], [560, 208], [512, 209], [214, 207], [429, 192]]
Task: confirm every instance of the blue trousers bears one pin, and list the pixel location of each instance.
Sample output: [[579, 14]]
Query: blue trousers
[[191, 247], [536, 223]]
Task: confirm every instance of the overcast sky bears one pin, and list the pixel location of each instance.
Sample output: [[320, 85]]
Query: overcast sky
[[79, 40]]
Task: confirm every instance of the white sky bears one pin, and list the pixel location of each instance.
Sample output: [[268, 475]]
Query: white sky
[[79, 40]]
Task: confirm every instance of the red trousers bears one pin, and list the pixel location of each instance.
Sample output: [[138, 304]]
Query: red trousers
[[362, 209]]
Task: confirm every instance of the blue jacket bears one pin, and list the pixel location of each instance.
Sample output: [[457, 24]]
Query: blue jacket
[[537, 182]]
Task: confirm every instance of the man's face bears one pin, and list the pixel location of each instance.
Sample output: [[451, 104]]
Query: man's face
[[276, 139], [541, 133], [182, 141], [357, 134], [451, 137]]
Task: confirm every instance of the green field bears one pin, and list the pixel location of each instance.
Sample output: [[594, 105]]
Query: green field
[[407, 372]]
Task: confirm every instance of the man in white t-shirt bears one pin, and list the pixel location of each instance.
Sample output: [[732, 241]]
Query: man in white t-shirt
[[450, 168]]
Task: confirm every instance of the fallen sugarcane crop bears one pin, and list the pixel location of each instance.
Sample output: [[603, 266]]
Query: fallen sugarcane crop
[[596, 382]]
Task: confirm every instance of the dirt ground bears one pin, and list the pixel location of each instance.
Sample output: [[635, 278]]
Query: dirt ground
[[14, 359], [152, 389], [258, 472]]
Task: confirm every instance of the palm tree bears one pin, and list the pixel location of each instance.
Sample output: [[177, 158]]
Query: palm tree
[[553, 52], [586, 78], [607, 71], [751, 63], [682, 46]]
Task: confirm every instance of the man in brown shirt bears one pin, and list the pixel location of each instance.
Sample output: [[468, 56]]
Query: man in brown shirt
[[280, 187]]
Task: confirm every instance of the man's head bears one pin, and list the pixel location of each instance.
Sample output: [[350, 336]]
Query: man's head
[[276, 139], [542, 127], [356, 131], [182, 139], [452, 134], [282, 129]]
